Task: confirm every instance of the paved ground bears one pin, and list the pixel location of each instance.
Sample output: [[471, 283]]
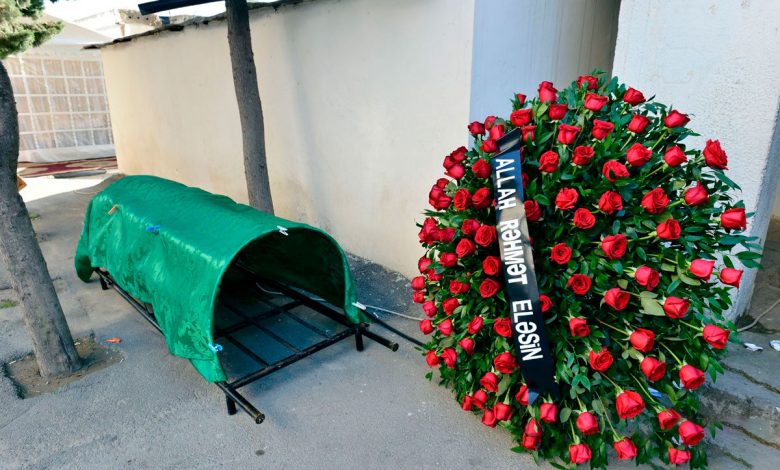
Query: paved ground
[[337, 409]]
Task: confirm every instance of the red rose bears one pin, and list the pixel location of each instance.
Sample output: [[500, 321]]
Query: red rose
[[481, 198], [579, 284], [616, 298], [457, 287], [582, 155], [426, 327], [465, 248], [423, 263], [468, 345], [546, 302], [638, 123], [521, 117], [488, 146], [583, 219], [488, 288], [528, 132], [595, 102], [560, 253], [614, 246], [557, 111], [532, 210], [734, 219], [667, 419], [547, 92], [489, 121], [490, 382], [491, 265], [432, 359], [429, 308], [548, 412], [655, 201], [716, 336], [485, 236], [613, 170], [677, 457], [566, 199], [638, 155], [642, 339], [647, 277], [697, 195], [690, 433], [418, 297], [691, 377], [459, 154], [475, 325], [731, 276], [675, 119], [469, 227], [496, 132], [522, 395], [633, 97], [587, 423], [567, 133], [503, 327], [468, 403], [589, 80], [448, 259], [625, 448], [418, 283], [438, 199], [449, 356], [675, 307], [653, 368], [505, 363], [433, 277], [450, 305], [579, 453], [668, 230], [502, 411], [476, 128], [446, 234], [445, 327], [674, 156], [548, 162], [610, 202], [480, 398], [462, 200], [481, 168], [702, 268], [629, 404], [601, 129], [532, 435], [579, 327], [714, 156], [456, 171], [520, 99], [601, 360]]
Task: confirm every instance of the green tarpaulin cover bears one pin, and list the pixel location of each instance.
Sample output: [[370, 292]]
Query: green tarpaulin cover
[[169, 245]]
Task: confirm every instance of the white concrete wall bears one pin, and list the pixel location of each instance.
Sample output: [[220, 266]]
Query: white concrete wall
[[716, 60]]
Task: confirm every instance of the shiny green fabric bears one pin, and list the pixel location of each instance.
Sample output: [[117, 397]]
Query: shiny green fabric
[[179, 268]]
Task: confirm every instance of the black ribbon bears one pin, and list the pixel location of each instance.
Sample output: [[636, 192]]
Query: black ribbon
[[522, 294]]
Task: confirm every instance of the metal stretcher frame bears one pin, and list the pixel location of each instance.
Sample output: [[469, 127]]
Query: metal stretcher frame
[[233, 398]]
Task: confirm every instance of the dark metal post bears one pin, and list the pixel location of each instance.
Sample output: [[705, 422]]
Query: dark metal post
[[231, 406], [359, 337]]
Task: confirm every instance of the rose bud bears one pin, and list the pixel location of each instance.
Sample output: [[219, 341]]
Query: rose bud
[[702, 268], [733, 219], [503, 327], [546, 303], [481, 168], [547, 92], [668, 418], [488, 146], [691, 377], [445, 327], [433, 277], [653, 368], [532, 434], [468, 403], [561, 253], [675, 307], [617, 298], [457, 287], [557, 112], [448, 260], [449, 356], [532, 210], [600, 361], [491, 265], [418, 297], [485, 236], [548, 162], [490, 382], [456, 171], [582, 155], [468, 345], [655, 201], [638, 155], [587, 423], [524, 177], [579, 284], [638, 123], [601, 129], [476, 128], [520, 99], [613, 170], [480, 398], [579, 327], [429, 307], [450, 305], [521, 117], [647, 277], [418, 283], [527, 132], [583, 219], [674, 156], [489, 418], [579, 453], [426, 327], [548, 412], [462, 199], [714, 156], [488, 288], [625, 448], [633, 97], [595, 102], [464, 248], [446, 234], [690, 433], [438, 199], [502, 411], [496, 132], [566, 199], [505, 363], [489, 121], [522, 395], [629, 404], [675, 119], [614, 246], [696, 195], [715, 336], [642, 340], [432, 359], [481, 198], [423, 264], [589, 80], [668, 230], [677, 457], [567, 133], [475, 325], [610, 202]]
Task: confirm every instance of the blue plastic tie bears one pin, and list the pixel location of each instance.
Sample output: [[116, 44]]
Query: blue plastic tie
[[155, 229], [215, 347]]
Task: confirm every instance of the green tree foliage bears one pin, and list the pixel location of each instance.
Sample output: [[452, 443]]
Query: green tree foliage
[[21, 26]]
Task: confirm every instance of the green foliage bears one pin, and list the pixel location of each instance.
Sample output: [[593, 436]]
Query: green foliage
[[21, 27]]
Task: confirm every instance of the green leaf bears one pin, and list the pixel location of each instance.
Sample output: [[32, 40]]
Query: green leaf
[[652, 307], [565, 414]]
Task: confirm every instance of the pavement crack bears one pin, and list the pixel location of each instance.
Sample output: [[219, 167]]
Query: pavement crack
[[751, 379], [753, 436]]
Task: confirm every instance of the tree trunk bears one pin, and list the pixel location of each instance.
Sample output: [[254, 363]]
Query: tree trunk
[[250, 109], [52, 342]]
